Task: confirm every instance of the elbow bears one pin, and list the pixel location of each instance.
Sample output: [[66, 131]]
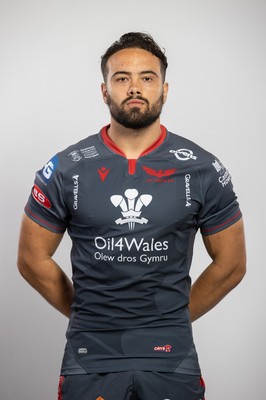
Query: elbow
[[23, 267], [239, 272]]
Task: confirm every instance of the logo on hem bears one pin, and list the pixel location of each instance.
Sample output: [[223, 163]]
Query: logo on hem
[[82, 350], [165, 349]]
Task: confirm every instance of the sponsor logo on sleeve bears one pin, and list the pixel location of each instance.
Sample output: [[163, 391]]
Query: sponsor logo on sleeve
[[224, 176], [49, 168], [40, 197]]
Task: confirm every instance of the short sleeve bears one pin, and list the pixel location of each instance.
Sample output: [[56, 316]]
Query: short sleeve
[[220, 207], [46, 204]]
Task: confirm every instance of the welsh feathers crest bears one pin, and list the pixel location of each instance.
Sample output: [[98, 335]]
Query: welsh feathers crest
[[131, 205]]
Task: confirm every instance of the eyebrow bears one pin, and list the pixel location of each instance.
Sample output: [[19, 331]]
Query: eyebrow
[[129, 73]]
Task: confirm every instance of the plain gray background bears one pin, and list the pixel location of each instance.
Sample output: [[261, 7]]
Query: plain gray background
[[50, 97]]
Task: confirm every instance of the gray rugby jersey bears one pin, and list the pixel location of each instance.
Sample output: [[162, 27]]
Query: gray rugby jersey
[[132, 225]]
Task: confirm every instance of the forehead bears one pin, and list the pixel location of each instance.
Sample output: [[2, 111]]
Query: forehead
[[133, 60]]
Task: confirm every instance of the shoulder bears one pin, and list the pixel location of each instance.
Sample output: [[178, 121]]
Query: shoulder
[[185, 151], [74, 156], [190, 156], [84, 149]]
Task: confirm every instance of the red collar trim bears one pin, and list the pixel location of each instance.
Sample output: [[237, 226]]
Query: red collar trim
[[109, 143]]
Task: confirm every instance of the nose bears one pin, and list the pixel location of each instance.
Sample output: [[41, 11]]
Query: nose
[[134, 88]]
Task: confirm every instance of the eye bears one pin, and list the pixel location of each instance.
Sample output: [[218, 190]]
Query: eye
[[147, 79], [121, 79]]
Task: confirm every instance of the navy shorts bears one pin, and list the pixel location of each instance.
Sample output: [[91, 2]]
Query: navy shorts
[[131, 385]]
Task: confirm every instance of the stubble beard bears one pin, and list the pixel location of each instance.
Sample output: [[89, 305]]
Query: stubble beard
[[134, 118]]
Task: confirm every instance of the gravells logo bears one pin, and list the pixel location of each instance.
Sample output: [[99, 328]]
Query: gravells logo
[[187, 186], [75, 191], [131, 207]]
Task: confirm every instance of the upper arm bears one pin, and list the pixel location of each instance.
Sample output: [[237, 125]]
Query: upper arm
[[36, 243], [227, 247]]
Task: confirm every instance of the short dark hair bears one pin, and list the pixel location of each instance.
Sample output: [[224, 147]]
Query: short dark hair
[[137, 40]]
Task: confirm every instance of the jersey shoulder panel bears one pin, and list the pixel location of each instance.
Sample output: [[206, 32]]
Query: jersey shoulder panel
[[185, 151], [219, 205], [47, 203], [88, 149]]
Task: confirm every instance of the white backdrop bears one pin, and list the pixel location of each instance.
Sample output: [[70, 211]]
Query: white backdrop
[[50, 97]]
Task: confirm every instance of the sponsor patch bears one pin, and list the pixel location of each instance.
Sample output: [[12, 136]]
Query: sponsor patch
[[82, 350], [49, 168], [165, 349], [183, 154], [224, 176], [40, 197]]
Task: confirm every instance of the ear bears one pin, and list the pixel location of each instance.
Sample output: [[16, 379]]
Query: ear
[[104, 92], [165, 91]]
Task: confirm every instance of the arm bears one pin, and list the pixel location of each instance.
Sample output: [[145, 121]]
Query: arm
[[36, 248], [228, 267]]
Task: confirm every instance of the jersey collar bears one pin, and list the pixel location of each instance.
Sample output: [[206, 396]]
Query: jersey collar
[[109, 142]]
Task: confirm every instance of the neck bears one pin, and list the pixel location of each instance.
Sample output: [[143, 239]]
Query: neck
[[133, 142]]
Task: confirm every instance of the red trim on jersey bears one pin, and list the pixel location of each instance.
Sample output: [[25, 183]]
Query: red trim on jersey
[[132, 163], [109, 143], [207, 230], [61, 230], [157, 142], [202, 384], [61, 380]]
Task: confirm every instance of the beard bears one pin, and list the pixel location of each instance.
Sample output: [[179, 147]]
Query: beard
[[135, 118]]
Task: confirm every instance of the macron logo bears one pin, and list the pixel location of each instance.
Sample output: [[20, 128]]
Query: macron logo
[[103, 172], [131, 205]]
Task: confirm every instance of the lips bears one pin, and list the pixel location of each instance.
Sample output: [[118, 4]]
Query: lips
[[135, 102]]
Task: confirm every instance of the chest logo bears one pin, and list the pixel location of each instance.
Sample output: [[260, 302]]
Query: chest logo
[[131, 204], [103, 172], [160, 173], [184, 154]]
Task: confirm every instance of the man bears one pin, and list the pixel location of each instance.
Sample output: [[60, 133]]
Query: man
[[132, 198]]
